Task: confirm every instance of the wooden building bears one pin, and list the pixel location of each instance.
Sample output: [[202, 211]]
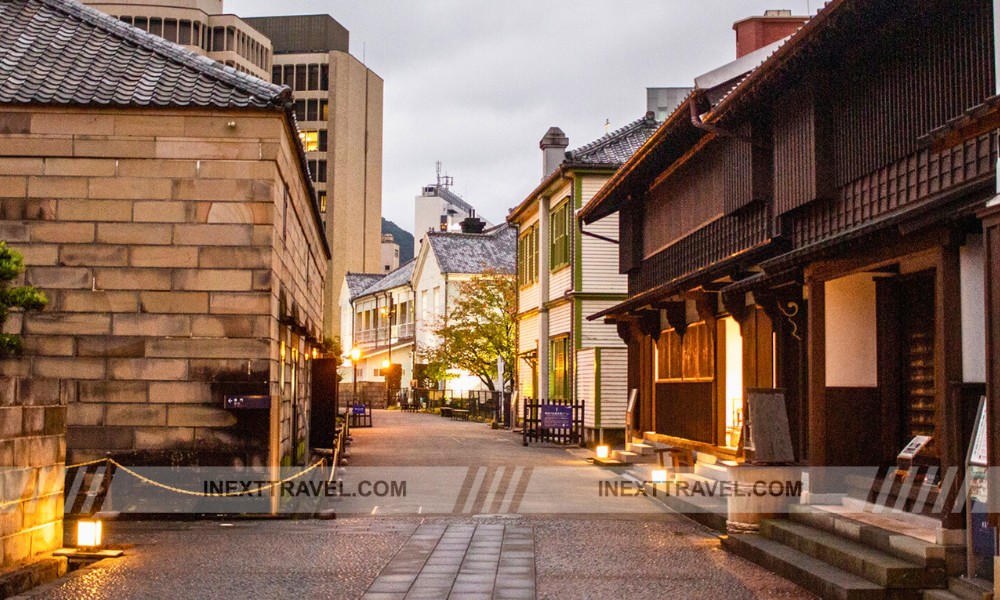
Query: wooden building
[[566, 271], [813, 227]]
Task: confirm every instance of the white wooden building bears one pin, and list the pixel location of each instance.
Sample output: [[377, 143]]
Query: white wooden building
[[567, 272]]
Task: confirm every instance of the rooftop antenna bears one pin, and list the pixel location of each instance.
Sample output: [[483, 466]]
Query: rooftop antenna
[[444, 181]]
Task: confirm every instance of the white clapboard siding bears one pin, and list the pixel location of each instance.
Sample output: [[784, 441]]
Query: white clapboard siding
[[598, 333], [560, 319], [524, 379], [527, 333], [586, 384], [614, 386], [560, 282], [590, 185], [528, 298], [600, 259]]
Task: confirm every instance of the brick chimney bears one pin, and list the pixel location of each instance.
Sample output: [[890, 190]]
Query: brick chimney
[[756, 32], [553, 147]]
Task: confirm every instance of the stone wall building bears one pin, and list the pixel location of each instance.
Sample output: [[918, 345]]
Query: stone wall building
[[163, 203]]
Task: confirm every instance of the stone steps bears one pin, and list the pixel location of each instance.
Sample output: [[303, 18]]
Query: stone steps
[[639, 448], [814, 575], [860, 559], [889, 542]]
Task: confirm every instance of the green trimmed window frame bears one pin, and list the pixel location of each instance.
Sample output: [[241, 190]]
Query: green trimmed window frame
[[559, 229], [559, 368], [527, 257]]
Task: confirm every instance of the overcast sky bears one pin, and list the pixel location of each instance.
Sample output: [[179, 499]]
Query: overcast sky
[[476, 84]]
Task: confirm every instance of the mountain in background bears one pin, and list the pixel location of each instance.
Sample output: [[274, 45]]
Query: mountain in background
[[402, 237]]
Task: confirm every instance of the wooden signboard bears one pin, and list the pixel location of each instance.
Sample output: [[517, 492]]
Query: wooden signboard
[[766, 436], [977, 448], [913, 448]]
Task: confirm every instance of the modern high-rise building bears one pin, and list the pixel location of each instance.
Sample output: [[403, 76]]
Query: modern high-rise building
[[198, 25], [338, 105]]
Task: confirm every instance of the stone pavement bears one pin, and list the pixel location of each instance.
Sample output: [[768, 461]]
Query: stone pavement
[[456, 554], [460, 561]]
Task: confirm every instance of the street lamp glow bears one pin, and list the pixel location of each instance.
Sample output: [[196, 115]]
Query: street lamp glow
[[355, 354], [602, 451], [88, 533], [386, 364]]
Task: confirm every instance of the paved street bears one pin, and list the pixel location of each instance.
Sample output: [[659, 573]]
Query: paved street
[[477, 552]]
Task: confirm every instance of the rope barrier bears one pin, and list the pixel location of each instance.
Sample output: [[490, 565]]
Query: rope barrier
[[269, 486], [147, 480]]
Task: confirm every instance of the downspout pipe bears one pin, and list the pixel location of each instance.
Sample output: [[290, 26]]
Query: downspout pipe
[[544, 204]]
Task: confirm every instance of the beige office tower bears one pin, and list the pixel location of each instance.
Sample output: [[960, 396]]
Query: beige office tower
[[339, 108], [338, 103], [198, 25]]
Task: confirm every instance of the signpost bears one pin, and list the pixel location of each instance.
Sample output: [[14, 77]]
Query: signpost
[[247, 402], [765, 429], [633, 396], [981, 538], [557, 416]]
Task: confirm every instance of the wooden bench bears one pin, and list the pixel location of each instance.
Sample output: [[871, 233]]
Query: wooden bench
[[459, 414], [446, 411], [411, 406]]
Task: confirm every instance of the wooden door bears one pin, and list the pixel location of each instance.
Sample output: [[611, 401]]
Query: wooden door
[[916, 352]]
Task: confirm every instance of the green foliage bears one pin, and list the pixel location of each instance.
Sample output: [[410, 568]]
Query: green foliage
[[480, 327], [23, 298], [332, 347]]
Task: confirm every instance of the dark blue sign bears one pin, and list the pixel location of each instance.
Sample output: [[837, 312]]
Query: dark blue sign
[[258, 402], [358, 409], [555, 416]]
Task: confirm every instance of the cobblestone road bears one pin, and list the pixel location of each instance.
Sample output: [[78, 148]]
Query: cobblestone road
[[477, 552]]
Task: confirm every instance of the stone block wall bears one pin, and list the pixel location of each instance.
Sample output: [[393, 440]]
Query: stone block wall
[[165, 240], [32, 450]]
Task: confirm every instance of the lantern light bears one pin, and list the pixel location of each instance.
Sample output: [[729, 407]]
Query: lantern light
[[659, 476], [355, 354], [603, 451], [386, 364], [88, 533]]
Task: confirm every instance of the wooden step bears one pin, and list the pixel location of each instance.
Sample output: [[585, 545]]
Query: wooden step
[[940, 595], [814, 575], [857, 558], [896, 544]]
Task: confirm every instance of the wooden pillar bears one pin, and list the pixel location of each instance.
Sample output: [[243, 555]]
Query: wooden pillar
[[816, 404], [991, 248], [948, 369]]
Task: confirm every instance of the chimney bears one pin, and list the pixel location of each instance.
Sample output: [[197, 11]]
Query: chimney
[[473, 224], [756, 32], [553, 147]]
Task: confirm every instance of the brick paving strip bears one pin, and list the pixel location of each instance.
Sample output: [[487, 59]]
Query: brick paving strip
[[461, 562]]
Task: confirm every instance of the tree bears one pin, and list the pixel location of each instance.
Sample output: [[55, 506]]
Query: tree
[[480, 326], [22, 297]]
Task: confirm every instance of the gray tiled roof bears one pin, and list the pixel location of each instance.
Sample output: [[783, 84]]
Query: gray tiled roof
[[616, 147], [494, 249], [62, 52], [394, 279], [357, 283]]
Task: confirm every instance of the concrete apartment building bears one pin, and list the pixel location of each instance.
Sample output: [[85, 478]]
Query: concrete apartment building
[[338, 105], [437, 208], [339, 109], [173, 226]]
